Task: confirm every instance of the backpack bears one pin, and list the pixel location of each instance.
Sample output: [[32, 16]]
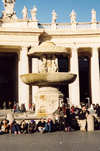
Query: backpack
[[68, 129]]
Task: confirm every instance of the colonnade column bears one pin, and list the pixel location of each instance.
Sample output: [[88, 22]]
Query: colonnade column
[[74, 96], [95, 87], [23, 69], [35, 69]]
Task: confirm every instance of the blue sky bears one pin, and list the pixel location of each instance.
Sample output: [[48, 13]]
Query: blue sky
[[62, 8]]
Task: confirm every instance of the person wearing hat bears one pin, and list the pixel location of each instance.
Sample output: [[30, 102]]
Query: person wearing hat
[[32, 126], [82, 118]]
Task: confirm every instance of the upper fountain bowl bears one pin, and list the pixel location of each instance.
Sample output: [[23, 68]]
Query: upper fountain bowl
[[48, 79], [48, 47]]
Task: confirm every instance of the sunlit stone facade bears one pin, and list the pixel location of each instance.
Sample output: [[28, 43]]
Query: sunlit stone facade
[[82, 41]]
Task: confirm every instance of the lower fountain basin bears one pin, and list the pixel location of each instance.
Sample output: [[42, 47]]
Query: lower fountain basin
[[48, 79]]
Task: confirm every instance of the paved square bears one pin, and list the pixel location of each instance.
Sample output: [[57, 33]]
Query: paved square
[[56, 141]]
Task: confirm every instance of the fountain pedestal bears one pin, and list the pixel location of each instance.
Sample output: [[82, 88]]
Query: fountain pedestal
[[47, 100]]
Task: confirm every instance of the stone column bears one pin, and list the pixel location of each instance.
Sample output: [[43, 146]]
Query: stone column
[[23, 69], [95, 87], [35, 69], [74, 96]]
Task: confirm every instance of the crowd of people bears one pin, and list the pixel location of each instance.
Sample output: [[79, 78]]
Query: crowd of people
[[62, 120], [25, 127], [22, 108], [17, 108]]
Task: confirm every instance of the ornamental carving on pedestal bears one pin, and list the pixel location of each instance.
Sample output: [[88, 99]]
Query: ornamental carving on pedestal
[[9, 13]]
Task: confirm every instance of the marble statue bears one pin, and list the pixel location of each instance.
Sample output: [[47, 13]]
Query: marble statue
[[54, 65], [93, 15], [43, 67], [49, 65], [54, 16], [9, 13], [33, 13], [73, 17], [25, 14], [8, 1]]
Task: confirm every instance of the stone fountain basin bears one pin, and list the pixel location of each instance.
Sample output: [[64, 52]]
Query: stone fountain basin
[[48, 79]]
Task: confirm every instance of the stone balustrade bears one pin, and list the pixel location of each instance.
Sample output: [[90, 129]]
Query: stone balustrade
[[50, 26], [45, 26], [69, 26], [63, 26], [84, 26]]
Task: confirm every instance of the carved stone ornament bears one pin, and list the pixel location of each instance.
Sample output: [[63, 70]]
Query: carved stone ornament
[[9, 13]]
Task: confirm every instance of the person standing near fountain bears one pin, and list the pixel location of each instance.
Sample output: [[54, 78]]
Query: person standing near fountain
[[82, 118], [59, 115], [4, 105]]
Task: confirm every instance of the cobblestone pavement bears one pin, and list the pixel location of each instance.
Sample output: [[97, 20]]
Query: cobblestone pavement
[[56, 141]]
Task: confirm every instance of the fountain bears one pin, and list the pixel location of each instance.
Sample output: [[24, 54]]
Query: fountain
[[48, 79]]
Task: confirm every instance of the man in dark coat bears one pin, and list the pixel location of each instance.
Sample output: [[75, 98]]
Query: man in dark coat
[[82, 118], [41, 126]]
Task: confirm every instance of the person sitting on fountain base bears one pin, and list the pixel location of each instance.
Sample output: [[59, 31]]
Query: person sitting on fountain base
[[15, 128], [41, 126], [32, 126], [24, 127], [50, 127], [59, 116]]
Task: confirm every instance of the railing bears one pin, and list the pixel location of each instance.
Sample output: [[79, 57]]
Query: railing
[[98, 25], [69, 26], [63, 26], [45, 26], [83, 25]]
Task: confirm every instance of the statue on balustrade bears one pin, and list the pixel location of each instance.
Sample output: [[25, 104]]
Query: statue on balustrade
[[33, 13], [93, 15], [8, 1], [73, 17], [25, 13], [9, 13], [54, 16]]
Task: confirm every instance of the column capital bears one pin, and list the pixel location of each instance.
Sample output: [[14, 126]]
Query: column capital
[[94, 48], [24, 47], [74, 47]]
